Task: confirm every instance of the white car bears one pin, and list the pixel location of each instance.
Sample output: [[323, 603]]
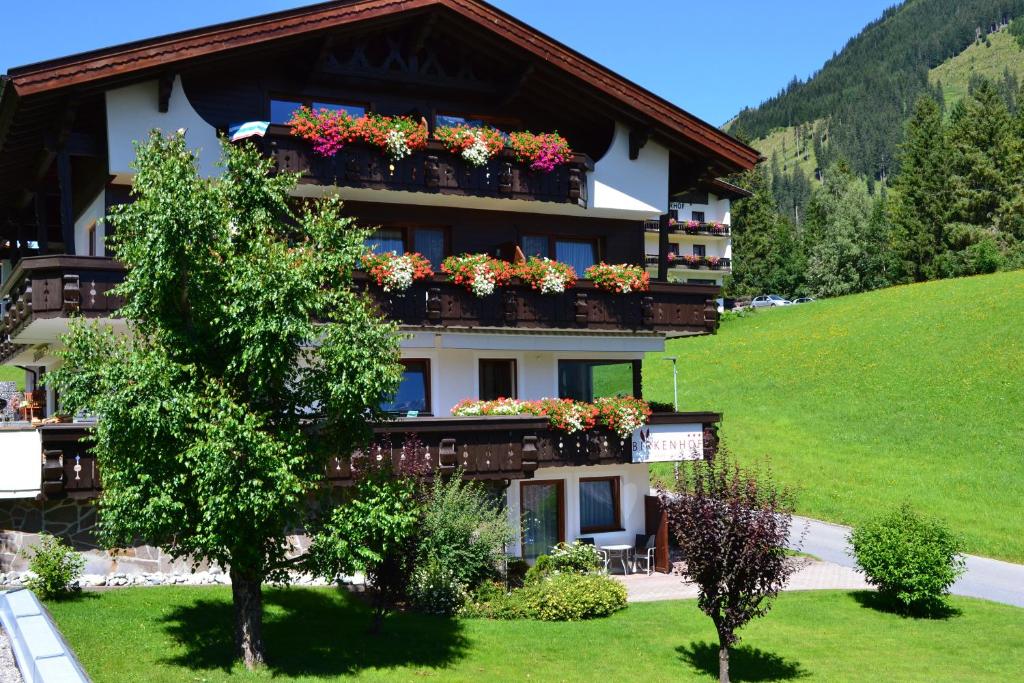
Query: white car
[[770, 301]]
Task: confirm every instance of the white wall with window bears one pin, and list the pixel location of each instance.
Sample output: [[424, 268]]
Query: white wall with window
[[90, 229], [700, 206], [602, 502]]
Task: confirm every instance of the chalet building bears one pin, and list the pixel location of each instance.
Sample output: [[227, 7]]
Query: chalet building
[[642, 186]]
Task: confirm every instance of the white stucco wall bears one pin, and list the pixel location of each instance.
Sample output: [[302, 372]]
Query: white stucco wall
[[718, 209], [634, 485], [454, 373], [639, 185], [92, 214], [132, 112]]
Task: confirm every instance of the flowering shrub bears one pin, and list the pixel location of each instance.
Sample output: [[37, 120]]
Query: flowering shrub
[[712, 261], [434, 589], [546, 275], [574, 597], [543, 151], [478, 272], [397, 136], [327, 129], [397, 273], [622, 415], [475, 145], [621, 278]]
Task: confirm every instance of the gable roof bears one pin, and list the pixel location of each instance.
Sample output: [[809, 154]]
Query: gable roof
[[157, 54]]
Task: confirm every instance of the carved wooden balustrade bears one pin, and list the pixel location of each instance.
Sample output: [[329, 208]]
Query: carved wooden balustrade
[[433, 169]]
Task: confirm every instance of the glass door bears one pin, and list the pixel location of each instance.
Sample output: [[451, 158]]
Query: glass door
[[542, 504]]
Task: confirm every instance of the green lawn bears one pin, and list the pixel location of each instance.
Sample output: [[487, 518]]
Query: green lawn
[[182, 634], [991, 62], [9, 374], [906, 394]]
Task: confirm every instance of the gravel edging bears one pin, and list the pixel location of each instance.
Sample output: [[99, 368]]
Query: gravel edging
[[9, 672]]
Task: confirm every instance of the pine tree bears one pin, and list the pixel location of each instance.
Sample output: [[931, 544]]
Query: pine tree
[[836, 219]]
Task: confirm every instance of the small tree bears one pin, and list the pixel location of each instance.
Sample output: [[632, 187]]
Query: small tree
[[732, 530], [241, 317]]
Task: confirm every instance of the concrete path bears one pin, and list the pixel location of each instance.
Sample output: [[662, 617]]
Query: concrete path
[[989, 579], [812, 576]]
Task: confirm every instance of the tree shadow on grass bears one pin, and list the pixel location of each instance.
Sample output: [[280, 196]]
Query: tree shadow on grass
[[745, 663], [314, 633], [883, 603]]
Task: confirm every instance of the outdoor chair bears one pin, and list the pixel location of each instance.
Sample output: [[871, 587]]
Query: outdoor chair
[[589, 540], [643, 551]]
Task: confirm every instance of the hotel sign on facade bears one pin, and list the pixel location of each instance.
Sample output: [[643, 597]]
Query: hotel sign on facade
[[668, 443]]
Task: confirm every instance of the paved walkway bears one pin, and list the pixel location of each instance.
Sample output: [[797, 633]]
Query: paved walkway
[[989, 579], [812, 576]]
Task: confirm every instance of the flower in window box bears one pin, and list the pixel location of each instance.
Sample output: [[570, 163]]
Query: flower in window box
[[397, 136], [396, 273], [691, 260], [712, 261], [477, 145], [543, 151], [692, 227], [623, 415], [550, 277], [327, 129], [620, 278], [479, 273]]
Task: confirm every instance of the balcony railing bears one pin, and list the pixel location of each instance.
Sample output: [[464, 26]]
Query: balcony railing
[[492, 447], [694, 262], [684, 228], [434, 170], [669, 308]]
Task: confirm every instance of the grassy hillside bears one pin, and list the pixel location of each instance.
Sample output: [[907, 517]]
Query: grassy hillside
[[791, 145], [9, 374], [911, 394], [991, 62]]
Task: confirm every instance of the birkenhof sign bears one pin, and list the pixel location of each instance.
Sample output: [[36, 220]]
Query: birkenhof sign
[[668, 443]]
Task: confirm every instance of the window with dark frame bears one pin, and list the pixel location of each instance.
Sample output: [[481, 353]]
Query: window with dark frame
[[413, 394], [432, 242], [281, 109], [585, 380], [497, 379], [600, 508], [699, 250], [576, 252], [91, 233], [697, 216]]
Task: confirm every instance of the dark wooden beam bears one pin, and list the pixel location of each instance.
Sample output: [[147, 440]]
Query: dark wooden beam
[[663, 245], [638, 137], [42, 231], [166, 86], [82, 145], [67, 218]]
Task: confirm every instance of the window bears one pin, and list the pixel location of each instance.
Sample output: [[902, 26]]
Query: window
[[543, 516], [91, 233], [384, 240], [535, 245], [430, 243], [281, 110], [580, 254], [698, 216], [413, 393], [585, 380], [699, 250], [497, 379], [599, 505]]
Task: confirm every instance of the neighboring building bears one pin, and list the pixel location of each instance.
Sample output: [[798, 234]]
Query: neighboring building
[[66, 133]]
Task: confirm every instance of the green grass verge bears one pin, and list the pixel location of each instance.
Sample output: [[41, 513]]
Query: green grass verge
[[905, 394], [9, 374], [183, 634]]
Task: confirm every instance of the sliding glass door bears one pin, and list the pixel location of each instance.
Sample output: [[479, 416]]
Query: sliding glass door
[[543, 517]]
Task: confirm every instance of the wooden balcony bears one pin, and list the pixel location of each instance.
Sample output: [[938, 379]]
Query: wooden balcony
[[433, 170], [505, 447], [684, 228], [669, 308]]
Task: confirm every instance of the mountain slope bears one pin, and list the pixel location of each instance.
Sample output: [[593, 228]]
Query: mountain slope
[[991, 59], [911, 394], [867, 89]]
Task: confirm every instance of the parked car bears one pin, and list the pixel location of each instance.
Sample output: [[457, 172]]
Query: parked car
[[770, 301], [804, 300]]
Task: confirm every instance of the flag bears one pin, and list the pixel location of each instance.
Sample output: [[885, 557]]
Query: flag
[[248, 130]]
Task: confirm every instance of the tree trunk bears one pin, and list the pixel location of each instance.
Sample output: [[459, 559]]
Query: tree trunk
[[247, 594], [723, 662]]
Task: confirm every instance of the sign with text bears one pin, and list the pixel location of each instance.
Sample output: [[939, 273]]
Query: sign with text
[[668, 443]]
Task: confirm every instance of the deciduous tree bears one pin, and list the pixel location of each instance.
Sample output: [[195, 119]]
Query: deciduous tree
[[243, 329]]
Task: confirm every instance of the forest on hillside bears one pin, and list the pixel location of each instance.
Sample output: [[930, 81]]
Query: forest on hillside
[[955, 208], [859, 100]]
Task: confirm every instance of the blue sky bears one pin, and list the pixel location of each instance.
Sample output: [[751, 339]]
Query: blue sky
[[711, 58]]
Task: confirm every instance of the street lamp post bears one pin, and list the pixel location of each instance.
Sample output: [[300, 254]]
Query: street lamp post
[[675, 381]]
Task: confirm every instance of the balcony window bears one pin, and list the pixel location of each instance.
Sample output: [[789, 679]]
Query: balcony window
[[585, 380], [281, 110], [536, 245], [384, 240], [599, 505], [578, 253], [430, 243], [497, 379], [699, 250], [413, 394], [698, 216]]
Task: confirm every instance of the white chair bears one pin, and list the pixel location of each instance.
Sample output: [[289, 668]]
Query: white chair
[[643, 551]]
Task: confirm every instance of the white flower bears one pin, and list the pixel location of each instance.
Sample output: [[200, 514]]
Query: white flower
[[477, 154], [401, 276], [396, 145], [553, 282], [483, 280]]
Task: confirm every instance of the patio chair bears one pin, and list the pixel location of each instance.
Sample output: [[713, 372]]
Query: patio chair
[[589, 540], [643, 551]]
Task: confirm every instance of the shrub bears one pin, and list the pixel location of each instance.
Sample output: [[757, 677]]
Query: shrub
[[434, 589], [565, 558], [463, 530], [912, 560], [516, 569], [493, 601], [573, 597], [55, 565]]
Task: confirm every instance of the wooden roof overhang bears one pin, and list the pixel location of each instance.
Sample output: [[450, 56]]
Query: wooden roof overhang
[[37, 100]]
